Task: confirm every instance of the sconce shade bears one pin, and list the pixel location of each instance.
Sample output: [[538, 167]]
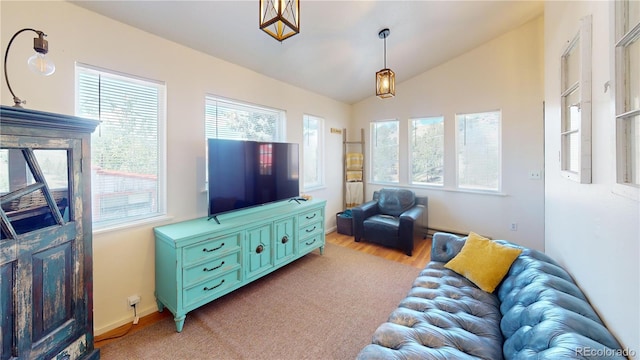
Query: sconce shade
[[280, 18], [37, 63], [385, 78], [385, 83]]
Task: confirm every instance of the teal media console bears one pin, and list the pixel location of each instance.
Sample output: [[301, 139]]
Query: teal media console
[[198, 261]]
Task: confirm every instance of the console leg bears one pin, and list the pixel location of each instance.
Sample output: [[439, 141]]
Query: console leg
[[322, 250], [160, 306], [179, 322]]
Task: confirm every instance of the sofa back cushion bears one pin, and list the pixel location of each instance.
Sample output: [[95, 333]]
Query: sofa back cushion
[[545, 313], [393, 201], [445, 246]]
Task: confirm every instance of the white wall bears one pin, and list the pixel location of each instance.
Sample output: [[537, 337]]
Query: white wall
[[591, 229], [505, 73], [124, 259]]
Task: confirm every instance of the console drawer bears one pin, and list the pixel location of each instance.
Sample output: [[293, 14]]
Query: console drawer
[[310, 229], [211, 288], [210, 248], [309, 217], [210, 269], [311, 242]]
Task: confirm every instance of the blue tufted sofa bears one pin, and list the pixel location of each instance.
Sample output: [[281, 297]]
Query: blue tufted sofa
[[537, 312]]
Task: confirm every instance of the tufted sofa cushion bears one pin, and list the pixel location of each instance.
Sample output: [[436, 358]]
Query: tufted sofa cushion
[[546, 315], [444, 316]]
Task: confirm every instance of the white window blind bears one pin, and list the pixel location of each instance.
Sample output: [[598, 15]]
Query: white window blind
[[312, 149], [426, 139], [385, 151], [127, 154], [227, 119], [478, 148]]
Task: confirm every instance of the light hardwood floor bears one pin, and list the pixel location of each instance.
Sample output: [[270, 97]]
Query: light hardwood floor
[[420, 258]]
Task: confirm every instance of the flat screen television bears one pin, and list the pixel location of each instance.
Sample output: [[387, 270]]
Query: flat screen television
[[243, 174]]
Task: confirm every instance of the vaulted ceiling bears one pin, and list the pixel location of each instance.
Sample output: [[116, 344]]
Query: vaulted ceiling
[[337, 51]]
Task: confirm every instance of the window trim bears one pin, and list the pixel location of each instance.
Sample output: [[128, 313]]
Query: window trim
[[583, 38], [320, 163]]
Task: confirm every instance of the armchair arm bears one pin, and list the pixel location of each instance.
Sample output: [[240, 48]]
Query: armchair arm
[[360, 214], [412, 214], [405, 232]]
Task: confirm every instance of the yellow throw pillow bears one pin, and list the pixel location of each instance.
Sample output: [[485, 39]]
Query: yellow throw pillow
[[484, 262]]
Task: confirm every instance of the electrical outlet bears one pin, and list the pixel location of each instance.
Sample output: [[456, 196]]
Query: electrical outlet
[[535, 175], [133, 300], [513, 227]]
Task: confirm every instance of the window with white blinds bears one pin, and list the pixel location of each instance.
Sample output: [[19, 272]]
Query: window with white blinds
[[228, 119], [478, 148], [385, 151], [127, 149]]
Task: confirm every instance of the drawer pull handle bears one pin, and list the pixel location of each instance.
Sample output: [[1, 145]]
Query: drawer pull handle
[[309, 243], [285, 239], [213, 268], [310, 217], [310, 230], [214, 287], [259, 249], [214, 249]]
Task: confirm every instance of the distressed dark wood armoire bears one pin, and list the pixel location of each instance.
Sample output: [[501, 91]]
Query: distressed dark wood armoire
[[46, 298]]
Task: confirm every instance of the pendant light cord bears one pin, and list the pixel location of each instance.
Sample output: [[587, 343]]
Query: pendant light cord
[[385, 52]]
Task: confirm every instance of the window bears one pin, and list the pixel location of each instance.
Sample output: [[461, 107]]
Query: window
[[312, 150], [127, 150], [385, 151], [478, 149], [627, 68], [426, 141], [575, 131], [227, 119]]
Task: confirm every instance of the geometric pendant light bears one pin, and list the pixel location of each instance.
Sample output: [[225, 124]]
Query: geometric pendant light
[[385, 78], [280, 18]]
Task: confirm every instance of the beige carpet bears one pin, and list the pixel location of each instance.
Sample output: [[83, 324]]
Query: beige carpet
[[318, 307]]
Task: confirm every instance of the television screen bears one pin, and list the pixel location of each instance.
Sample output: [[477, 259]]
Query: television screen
[[250, 173]]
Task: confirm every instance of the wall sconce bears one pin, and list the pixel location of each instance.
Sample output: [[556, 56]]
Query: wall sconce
[[385, 78], [37, 62], [280, 18]]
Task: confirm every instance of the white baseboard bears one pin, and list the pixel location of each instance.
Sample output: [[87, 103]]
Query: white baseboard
[[127, 320]]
